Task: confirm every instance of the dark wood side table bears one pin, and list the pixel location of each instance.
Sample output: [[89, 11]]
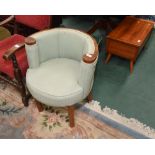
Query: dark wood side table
[[128, 38]]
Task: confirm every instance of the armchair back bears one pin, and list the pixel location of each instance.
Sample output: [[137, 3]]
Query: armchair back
[[61, 43]]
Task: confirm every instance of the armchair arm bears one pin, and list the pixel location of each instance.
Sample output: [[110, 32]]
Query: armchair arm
[[8, 54], [6, 21], [32, 52], [90, 58], [87, 69], [30, 41]]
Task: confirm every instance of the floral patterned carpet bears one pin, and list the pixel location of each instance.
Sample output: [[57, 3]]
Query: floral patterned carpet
[[17, 121]]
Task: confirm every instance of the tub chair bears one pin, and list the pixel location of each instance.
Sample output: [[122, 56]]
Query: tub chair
[[61, 67]]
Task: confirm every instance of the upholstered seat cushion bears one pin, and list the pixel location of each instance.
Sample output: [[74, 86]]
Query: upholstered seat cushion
[[55, 82], [7, 66]]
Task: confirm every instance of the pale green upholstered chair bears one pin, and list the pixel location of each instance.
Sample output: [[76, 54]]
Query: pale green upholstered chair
[[61, 67]]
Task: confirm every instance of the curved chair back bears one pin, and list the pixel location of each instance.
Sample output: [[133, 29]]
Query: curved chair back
[[63, 43]]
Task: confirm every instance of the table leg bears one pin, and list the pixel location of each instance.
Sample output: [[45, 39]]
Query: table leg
[[131, 66], [108, 58]]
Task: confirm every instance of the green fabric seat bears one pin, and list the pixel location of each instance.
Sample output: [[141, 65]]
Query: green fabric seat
[[57, 74]]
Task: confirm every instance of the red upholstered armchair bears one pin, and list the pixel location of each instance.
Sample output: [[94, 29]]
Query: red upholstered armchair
[[13, 60]]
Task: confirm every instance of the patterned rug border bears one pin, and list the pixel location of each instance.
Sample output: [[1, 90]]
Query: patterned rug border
[[131, 126], [111, 117]]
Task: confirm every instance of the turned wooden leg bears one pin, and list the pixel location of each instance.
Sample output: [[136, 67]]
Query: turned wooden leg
[[131, 66], [39, 106], [90, 97], [108, 58], [19, 78], [71, 116]]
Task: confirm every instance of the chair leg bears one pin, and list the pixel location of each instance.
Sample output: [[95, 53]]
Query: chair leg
[[25, 100], [22, 89], [19, 78], [39, 106], [108, 58], [131, 66], [71, 116], [90, 97]]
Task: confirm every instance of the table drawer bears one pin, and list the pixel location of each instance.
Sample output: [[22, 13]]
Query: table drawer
[[121, 49]]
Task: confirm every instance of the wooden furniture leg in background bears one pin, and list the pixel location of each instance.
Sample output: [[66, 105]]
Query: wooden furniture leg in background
[[131, 66], [90, 97], [108, 58], [71, 116]]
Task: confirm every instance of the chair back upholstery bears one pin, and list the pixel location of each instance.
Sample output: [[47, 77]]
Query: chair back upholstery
[[38, 22], [63, 43]]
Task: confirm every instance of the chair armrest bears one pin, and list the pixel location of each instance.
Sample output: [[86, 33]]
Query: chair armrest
[[8, 54], [90, 58], [87, 69], [6, 21], [31, 47], [30, 41]]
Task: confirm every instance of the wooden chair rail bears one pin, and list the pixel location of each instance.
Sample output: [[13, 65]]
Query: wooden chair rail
[[6, 21], [8, 54]]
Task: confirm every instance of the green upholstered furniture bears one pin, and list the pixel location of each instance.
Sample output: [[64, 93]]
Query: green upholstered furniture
[[61, 67]]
